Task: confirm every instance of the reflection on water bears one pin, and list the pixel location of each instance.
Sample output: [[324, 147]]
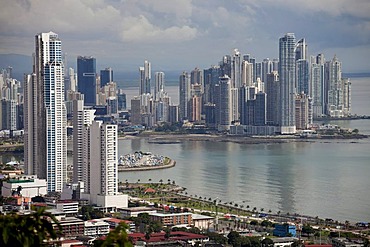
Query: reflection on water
[[323, 178]]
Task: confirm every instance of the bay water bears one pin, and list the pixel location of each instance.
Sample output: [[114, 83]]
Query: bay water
[[329, 179]]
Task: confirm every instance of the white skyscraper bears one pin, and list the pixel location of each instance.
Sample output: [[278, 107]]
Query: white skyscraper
[[287, 83], [247, 74], [235, 69], [145, 77], [334, 84], [56, 121], [159, 84], [45, 114], [82, 118], [101, 166]]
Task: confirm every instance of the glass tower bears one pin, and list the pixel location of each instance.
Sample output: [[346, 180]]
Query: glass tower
[[86, 79]]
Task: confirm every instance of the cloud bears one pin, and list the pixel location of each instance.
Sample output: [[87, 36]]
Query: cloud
[[139, 29], [200, 32]]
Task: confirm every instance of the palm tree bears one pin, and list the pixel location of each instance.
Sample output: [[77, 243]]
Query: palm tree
[[161, 181], [149, 180]]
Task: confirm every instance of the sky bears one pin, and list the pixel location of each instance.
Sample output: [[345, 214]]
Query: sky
[[184, 34]]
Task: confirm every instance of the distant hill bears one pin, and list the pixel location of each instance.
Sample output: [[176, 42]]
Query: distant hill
[[21, 64]]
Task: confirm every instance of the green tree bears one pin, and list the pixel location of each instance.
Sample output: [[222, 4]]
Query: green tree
[[27, 230], [307, 229], [118, 237], [234, 239], [267, 242], [217, 238]]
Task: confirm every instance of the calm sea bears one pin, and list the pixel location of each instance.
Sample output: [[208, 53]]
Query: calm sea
[[329, 179]]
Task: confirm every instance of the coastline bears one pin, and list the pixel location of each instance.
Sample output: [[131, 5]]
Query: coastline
[[178, 138], [172, 163]]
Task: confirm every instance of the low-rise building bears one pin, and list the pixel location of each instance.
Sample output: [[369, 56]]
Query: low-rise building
[[175, 239], [67, 206], [96, 228], [285, 230], [203, 222], [114, 222], [344, 242], [28, 186], [175, 219], [283, 242], [135, 211]]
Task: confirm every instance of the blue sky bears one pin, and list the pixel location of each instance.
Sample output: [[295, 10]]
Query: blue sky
[[184, 34]]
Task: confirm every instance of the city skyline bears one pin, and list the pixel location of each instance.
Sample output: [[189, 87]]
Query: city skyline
[[176, 35]]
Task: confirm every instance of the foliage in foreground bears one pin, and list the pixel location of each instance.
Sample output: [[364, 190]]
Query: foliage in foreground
[[27, 230]]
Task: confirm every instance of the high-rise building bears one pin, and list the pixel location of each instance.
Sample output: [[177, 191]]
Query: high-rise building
[[106, 76], [347, 99], [145, 77], [135, 111], [211, 76], [260, 109], [173, 114], [303, 111], [334, 106], [301, 50], [184, 95], [272, 102], [247, 74], [45, 114], [302, 68], [102, 167], [235, 69], [81, 118], [302, 76], [287, 83], [258, 70], [56, 126], [317, 86], [195, 107], [86, 79], [267, 67], [225, 66], [159, 84], [223, 106]]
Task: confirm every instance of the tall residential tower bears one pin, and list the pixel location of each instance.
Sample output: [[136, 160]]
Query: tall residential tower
[[287, 83]]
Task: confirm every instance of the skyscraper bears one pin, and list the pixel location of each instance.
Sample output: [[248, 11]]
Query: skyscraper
[[335, 88], [145, 77], [235, 69], [223, 105], [81, 119], [184, 94], [45, 114], [86, 79], [159, 84], [56, 125], [287, 83], [317, 89], [106, 76], [101, 166]]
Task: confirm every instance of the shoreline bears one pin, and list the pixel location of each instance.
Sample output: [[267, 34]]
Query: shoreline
[[172, 163], [178, 138]]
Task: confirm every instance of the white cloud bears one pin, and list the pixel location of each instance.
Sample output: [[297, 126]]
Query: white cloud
[[139, 29]]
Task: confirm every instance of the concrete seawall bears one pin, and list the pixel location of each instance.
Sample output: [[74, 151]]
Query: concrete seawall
[[172, 163]]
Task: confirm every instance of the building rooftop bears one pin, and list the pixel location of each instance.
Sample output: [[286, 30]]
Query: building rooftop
[[174, 214]]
